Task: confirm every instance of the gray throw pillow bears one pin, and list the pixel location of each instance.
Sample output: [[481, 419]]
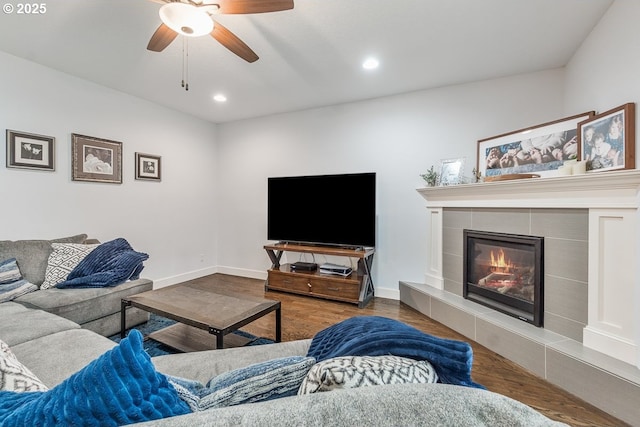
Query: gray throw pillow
[[364, 371]]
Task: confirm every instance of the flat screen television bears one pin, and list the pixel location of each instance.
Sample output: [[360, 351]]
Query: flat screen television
[[333, 210]]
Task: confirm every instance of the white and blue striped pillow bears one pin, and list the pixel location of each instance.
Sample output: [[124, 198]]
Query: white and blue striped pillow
[[9, 271], [12, 285], [254, 383]]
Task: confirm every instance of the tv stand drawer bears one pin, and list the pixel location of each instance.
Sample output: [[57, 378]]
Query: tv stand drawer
[[315, 285]]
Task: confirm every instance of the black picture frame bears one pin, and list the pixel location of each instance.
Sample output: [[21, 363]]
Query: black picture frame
[[148, 167], [30, 151]]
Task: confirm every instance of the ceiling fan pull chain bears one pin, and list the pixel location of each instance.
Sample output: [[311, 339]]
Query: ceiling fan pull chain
[[187, 65], [183, 42]]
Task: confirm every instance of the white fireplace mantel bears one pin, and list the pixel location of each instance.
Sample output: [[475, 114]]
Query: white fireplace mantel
[[613, 201]]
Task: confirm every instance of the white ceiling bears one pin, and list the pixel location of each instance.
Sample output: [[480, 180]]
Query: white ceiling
[[310, 56]]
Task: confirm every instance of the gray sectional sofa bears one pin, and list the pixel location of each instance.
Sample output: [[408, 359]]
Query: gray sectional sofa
[[56, 340], [96, 309]]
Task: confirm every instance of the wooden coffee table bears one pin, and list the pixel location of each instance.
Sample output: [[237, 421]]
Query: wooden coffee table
[[201, 312]]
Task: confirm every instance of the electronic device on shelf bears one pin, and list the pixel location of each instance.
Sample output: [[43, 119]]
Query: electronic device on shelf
[[331, 210], [340, 270], [304, 266]]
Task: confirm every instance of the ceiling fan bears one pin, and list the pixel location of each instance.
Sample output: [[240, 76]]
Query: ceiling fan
[[194, 18]]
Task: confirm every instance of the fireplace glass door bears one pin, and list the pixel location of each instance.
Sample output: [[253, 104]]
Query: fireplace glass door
[[504, 271]]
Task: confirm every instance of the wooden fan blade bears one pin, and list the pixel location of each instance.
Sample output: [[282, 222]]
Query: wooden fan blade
[[161, 38], [233, 43], [253, 6]]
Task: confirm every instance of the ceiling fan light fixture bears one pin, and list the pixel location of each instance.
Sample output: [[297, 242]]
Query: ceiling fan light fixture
[[186, 19]]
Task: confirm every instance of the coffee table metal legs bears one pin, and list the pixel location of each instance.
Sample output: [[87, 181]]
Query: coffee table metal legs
[[278, 324], [123, 317]]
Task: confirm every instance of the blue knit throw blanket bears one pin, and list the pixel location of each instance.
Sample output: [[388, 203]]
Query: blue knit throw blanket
[[109, 264], [378, 336]]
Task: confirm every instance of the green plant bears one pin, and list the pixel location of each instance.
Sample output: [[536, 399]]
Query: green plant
[[431, 177]]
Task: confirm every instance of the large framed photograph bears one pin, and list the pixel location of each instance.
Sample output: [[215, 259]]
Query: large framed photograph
[[96, 159], [451, 171], [607, 140], [30, 151], [539, 149], [148, 167]]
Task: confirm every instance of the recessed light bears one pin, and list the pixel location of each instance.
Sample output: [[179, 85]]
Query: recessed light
[[370, 64], [220, 98]]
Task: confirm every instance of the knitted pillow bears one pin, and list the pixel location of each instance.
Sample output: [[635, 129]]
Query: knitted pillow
[[63, 259], [120, 387], [12, 285], [255, 383], [14, 376], [363, 371]]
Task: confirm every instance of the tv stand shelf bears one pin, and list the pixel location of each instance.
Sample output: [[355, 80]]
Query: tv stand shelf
[[357, 288]]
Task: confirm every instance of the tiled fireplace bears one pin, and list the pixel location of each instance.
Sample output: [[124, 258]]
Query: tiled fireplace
[[589, 340], [504, 271]]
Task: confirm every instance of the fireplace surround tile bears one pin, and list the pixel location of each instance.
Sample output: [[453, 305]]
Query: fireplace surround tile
[[560, 223], [566, 258], [567, 327], [514, 221], [566, 298]]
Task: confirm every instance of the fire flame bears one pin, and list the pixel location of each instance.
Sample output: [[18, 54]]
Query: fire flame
[[500, 263]]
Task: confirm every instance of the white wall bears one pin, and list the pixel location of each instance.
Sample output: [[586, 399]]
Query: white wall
[[397, 137], [603, 74], [174, 220]]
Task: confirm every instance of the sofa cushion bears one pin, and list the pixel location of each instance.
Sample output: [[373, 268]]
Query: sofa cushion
[[32, 255], [14, 376], [254, 383], [86, 304], [120, 387], [12, 285], [63, 259], [54, 358], [364, 371], [22, 326]]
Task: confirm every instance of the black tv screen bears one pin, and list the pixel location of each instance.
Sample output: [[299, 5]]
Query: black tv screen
[[331, 210]]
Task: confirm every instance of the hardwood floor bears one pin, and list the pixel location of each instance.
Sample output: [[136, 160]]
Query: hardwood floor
[[303, 317]]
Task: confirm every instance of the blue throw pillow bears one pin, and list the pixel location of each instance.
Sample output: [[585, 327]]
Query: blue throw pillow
[[120, 387], [255, 383]]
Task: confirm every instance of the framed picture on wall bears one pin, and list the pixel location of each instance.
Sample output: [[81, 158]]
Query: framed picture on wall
[[95, 159], [30, 151], [539, 149], [607, 140], [148, 167]]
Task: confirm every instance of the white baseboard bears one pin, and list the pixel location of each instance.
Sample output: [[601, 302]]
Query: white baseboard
[[243, 272], [168, 281], [388, 293]]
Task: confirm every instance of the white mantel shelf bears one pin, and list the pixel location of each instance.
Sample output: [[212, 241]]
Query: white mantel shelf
[[591, 190], [612, 199]]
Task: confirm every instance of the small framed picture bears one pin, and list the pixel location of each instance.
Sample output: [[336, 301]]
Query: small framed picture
[[608, 139], [451, 172], [148, 167], [30, 151], [96, 159]]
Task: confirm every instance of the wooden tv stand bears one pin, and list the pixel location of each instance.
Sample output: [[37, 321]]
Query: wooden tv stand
[[357, 288]]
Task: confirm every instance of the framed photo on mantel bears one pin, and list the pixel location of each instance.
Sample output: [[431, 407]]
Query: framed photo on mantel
[[608, 139], [539, 149]]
